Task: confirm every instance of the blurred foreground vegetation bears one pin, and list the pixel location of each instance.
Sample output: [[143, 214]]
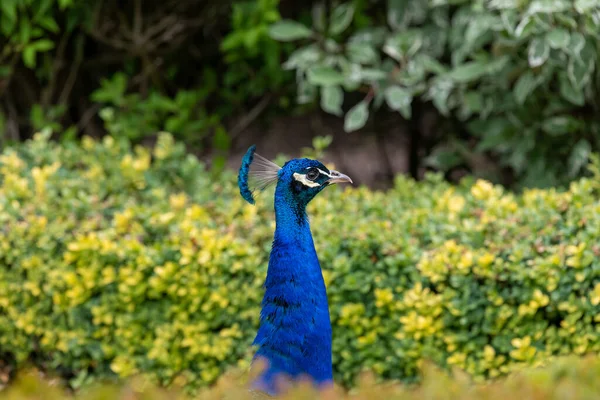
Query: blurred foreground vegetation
[[119, 261], [504, 89], [565, 378]]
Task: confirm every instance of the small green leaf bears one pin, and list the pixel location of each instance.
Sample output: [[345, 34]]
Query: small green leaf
[[361, 53], [583, 6], [579, 72], [403, 44], [548, 6], [341, 18], [332, 98], [443, 158], [396, 13], [538, 52], [24, 30], [439, 92], [62, 4], [356, 117], [560, 125], [221, 140], [468, 72], [29, 56], [568, 91], [8, 10], [42, 45], [325, 76], [303, 57], [579, 157], [576, 44], [288, 30], [399, 99], [524, 86], [372, 74], [558, 38], [432, 65], [49, 24]]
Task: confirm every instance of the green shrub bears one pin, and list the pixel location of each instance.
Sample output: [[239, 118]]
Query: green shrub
[[570, 377], [117, 261], [515, 79]]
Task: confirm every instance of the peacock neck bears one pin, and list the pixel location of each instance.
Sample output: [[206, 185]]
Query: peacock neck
[[295, 330]]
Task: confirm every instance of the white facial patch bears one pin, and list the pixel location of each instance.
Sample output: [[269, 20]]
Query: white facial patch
[[324, 173], [302, 179]]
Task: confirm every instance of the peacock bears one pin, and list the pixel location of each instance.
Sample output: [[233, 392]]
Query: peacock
[[294, 334]]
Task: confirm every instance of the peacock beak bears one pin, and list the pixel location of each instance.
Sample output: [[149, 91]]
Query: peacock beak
[[338, 177]]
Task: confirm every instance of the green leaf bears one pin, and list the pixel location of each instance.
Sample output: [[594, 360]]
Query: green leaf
[[29, 56], [439, 92], [341, 18], [287, 30], [583, 6], [356, 117], [42, 45], [372, 74], [63, 4], [493, 133], [24, 30], [538, 52], [325, 76], [568, 91], [403, 44], [221, 140], [332, 98], [548, 6], [399, 99], [396, 13], [361, 53], [579, 72], [468, 72], [303, 57], [8, 10], [48, 23], [430, 64], [443, 158], [558, 38], [579, 157], [560, 125], [374, 36], [576, 44], [524, 86]]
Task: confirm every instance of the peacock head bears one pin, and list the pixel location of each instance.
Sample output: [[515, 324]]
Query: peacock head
[[300, 179]]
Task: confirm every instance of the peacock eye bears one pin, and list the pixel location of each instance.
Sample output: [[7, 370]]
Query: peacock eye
[[312, 174]]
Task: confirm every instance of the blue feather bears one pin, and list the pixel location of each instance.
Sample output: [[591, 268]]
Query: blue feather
[[256, 172], [294, 335], [243, 175]]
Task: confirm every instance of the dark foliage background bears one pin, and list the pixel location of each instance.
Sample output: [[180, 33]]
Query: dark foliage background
[[503, 89]]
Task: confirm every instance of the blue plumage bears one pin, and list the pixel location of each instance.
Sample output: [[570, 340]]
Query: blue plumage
[[243, 175], [294, 335]]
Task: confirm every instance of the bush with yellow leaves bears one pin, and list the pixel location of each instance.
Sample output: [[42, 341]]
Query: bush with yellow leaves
[[117, 261], [566, 378]]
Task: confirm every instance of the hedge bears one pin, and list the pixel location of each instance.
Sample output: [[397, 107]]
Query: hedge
[[569, 377], [117, 261]]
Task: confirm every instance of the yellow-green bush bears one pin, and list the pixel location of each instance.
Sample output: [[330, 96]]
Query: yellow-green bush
[[116, 261], [567, 378]]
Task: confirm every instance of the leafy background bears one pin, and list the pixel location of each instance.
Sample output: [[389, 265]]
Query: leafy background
[[503, 89]]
